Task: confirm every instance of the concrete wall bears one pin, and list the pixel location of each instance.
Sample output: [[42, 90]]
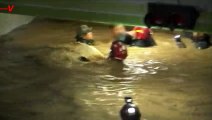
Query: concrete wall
[[8, 22], [205, 5], [129, 12]]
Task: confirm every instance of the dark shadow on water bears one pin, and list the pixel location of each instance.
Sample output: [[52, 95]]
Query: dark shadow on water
[[27, 89]]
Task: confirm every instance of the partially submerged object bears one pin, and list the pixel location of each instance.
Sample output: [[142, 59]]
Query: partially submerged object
[[130, 111], [201, 40], [179, 42], [138, 36]]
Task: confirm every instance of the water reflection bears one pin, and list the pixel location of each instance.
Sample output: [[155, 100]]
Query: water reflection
[[137, 67], [133, 70], [111, 88]]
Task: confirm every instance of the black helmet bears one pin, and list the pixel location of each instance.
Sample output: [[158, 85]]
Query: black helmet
[[130, 111]]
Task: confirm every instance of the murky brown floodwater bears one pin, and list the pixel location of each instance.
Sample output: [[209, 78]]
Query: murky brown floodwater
[[166, 82]]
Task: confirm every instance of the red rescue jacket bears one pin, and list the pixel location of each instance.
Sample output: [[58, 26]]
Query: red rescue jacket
[[118, 51], [141, 33]]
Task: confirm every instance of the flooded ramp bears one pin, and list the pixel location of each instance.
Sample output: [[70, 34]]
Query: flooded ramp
[[42, 78]]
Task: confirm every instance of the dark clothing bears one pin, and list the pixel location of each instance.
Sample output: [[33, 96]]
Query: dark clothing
[[125, 115], [201, 45], [144, 43], [202, 42], [180, 43], [80, 39], [128, 39], [124, 38]]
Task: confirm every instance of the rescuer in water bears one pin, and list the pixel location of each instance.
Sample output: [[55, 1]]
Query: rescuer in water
[[118, 48], [85, 35], [141, 37]]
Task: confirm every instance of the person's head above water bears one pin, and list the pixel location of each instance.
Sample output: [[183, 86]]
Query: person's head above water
[[85, 32], [118, 30]]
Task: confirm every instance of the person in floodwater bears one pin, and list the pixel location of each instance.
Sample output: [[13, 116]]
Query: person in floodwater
[[118, 48], [179, 42], [85, 35], [118, 51], [201, 40], [119, 33], [141, 37]]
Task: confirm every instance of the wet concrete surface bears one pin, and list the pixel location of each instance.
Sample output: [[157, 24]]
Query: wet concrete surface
[[41, 79]]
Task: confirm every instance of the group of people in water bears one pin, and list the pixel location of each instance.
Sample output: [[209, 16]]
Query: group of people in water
[[138, 36]]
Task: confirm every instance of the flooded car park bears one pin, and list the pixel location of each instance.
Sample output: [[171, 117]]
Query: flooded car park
[[41, 77]]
